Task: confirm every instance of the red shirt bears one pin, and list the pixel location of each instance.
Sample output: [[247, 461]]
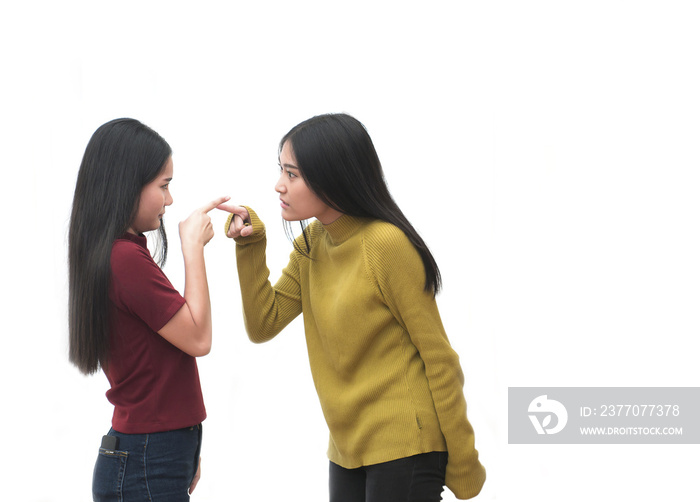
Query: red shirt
[[154, 385]]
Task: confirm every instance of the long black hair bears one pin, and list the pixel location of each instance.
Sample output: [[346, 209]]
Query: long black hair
[[337, 160], [122, 157]]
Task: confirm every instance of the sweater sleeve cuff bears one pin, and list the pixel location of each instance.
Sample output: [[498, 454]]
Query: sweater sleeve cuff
[[468, 482], [228, 224], [257, 224]]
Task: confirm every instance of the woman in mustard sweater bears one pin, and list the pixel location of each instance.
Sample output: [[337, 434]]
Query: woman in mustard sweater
[[389, 383]]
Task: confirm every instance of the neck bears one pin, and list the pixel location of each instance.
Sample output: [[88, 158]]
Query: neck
[[329, 216]]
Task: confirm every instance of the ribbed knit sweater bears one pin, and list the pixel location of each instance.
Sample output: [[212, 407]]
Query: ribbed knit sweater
[[389, 383]]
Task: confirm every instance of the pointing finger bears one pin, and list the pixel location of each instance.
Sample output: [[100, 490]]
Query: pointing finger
[[215, 203], [232, 208], [240, 211]]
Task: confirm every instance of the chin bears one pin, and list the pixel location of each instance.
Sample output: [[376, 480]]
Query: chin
[[153, 227]]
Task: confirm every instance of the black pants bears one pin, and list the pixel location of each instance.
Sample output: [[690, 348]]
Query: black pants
[[420, 478]]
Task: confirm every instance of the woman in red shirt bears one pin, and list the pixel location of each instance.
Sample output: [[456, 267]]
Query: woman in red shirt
[[126, 318]]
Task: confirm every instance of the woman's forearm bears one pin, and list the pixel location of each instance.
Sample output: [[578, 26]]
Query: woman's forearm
[[196, 294]]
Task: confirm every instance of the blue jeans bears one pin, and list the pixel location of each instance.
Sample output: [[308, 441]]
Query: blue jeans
[[148, 467], [420, 478]]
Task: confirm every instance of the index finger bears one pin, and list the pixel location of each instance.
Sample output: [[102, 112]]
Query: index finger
[[208, 207], [234, 209]]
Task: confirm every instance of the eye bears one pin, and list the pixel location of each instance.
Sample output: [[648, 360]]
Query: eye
[[290, 174]]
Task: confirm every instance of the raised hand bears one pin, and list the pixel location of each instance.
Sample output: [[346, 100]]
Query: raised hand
[[197, 229], [240, 224]]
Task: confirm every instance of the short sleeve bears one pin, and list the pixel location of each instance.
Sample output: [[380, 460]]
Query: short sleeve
[[140, 287]]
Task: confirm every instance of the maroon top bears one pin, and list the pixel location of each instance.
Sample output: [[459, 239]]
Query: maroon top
[[155, 385]]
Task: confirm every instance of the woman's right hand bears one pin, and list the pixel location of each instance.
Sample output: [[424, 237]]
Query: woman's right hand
[[197, 229], [240, 224], [190, 328]]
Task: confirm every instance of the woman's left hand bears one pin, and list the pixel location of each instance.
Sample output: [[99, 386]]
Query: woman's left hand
[[196, 476]]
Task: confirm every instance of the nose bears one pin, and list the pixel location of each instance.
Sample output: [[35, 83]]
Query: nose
[[168, 198], [280, 186]]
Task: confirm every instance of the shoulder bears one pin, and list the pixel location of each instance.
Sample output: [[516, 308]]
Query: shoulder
[[392, 259], [126, 250], [132, 259], [388, 250], [386, 238]]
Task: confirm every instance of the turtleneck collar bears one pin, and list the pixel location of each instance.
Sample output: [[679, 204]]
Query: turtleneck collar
[[343, 228]]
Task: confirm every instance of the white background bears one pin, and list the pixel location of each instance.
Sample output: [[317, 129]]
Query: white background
[[547, 151]]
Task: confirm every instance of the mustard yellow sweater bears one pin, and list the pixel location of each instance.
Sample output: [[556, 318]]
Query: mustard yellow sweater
[[389, 383]]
